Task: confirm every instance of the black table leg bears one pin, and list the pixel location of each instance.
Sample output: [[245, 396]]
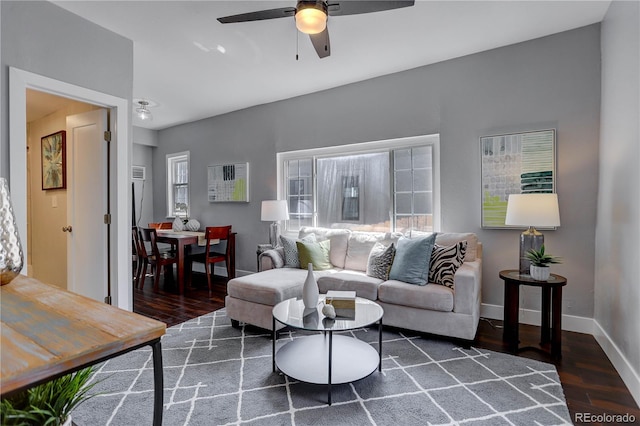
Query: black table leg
[[380, 345], [556, 328], [158, 383], [545, 323], [330, 356], [511, 307], [273, 345]]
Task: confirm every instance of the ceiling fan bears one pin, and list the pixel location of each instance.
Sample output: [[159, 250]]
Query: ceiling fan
[[311, 16]]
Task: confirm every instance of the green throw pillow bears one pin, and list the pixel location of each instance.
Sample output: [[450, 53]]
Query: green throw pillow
[[314, 253]]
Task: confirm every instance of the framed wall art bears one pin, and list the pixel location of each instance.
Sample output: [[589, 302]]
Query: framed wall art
[[54, 162], [228, 183], [516, 163]]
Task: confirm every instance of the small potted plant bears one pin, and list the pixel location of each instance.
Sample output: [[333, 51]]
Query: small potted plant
[[47, 404], [540, 261]]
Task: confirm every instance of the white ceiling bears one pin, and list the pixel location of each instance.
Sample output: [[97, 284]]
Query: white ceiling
[[178, 67]]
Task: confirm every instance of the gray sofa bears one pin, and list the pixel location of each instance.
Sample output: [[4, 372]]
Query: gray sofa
[[431, 308]]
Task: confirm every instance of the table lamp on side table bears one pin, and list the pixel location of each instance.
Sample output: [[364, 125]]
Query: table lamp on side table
[[532, 210], [274, 211]]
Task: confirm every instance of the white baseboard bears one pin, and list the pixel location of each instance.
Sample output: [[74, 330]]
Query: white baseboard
[[532, 317], [220, 270], [585, 325], [629, 376]]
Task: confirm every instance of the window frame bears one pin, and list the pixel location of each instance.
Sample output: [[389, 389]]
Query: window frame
[[386, 145], [171, 160]]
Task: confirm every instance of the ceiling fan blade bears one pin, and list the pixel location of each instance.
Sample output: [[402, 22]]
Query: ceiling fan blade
[[283, 12], [354, 7], [321, 43]]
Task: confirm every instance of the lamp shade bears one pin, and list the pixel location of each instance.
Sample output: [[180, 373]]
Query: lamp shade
[[274, 210], [538, 210]]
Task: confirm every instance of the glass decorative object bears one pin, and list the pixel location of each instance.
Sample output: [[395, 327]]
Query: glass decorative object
[[11, 257]]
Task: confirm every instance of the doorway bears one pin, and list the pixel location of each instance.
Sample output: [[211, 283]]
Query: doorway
[[120, 152], [47, 213]]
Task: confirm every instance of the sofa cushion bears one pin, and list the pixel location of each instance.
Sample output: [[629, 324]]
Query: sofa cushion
[[291, 259], [271, 286], [380, 261], [450, 238], [338, 238], [445, 261], [315, 253], [346, 280], [431, 296], [411, 262], [360, 245]]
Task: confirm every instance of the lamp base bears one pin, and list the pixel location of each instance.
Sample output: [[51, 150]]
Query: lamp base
[[274, 234], [529, 239]]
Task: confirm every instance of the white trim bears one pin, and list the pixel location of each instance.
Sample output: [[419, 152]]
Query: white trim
[[19, 82], [629, 376], [169, 160], [532, 317], [358, 148]]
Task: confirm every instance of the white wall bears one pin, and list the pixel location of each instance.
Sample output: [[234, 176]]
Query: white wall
[[617, 282]]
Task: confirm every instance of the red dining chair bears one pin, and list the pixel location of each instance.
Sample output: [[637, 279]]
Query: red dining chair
[[210, 257], [164, 225], [161, 225], [159, 260]]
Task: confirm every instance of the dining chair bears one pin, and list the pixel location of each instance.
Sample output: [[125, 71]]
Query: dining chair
[[157, 259], [210, 256], [161, 225], [164, 225], [136, 256]]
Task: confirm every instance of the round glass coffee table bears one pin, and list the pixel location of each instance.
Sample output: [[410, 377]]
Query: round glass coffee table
[[323, 358]]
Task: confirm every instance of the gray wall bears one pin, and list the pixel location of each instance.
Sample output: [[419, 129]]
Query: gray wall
[[144, 142], [617, 286], [45, 39], [552, 82]]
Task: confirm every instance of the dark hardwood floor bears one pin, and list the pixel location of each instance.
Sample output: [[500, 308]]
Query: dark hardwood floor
[[591, 384]]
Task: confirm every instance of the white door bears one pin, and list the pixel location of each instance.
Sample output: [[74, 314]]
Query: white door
[[87, 204]]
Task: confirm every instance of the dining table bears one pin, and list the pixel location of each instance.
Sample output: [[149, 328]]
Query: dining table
[[182, 240]]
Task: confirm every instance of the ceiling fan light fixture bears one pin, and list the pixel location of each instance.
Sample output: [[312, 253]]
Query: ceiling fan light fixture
[[311, 17], [143, 112]]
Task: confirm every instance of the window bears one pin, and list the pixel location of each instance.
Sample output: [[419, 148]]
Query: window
[[178, 185], [383, 186]]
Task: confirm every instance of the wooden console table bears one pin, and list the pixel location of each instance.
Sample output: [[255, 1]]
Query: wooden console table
[[47, 332], [551, 324]]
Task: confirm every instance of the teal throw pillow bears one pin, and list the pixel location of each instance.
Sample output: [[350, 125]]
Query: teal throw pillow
[[411, 262], [315, 253]]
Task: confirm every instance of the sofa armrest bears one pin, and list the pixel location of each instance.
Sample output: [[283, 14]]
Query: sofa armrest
[[467, 287], [272, 259]]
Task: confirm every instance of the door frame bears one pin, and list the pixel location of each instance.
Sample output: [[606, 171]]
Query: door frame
[[19, 82]]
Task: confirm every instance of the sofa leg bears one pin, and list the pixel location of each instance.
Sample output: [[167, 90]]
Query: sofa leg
[[235, 323]]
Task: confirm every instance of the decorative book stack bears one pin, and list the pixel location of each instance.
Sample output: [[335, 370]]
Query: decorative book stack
[[344, 302]]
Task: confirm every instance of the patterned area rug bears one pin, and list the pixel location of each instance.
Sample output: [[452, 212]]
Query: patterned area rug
[[217, 375]]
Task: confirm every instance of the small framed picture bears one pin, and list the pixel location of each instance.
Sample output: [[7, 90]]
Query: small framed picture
[[54, 159]]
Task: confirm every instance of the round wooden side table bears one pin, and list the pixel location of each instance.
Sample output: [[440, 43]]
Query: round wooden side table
[[551, 323]]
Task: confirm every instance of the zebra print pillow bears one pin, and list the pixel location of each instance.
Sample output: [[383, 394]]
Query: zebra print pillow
[[445, 261]]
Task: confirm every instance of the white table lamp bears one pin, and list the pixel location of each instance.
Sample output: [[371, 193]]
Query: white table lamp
[[274, 211], [532, 210]]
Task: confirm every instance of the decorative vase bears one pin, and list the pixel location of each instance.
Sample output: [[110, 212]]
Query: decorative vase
[[539, 273], [11, 257], [192, 225], [310, 292]]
